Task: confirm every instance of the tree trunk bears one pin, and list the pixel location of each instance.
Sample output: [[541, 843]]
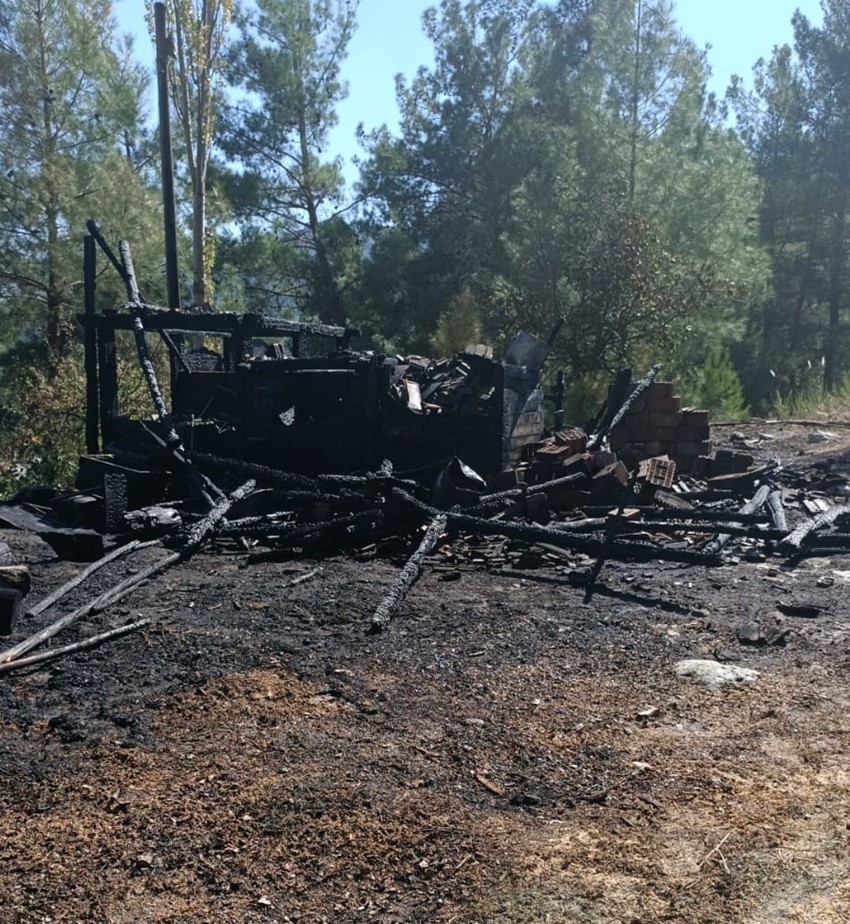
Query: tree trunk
[[837, 262], [326, 293], [57, 340]]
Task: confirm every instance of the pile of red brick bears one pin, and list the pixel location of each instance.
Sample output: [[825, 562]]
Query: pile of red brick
[[658, 425]]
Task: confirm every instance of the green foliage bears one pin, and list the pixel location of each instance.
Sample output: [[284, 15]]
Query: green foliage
[[796, 123], [719, 388], [285, 66], [565, 162], [42, 437], [445, 183], [42, 409], [71, 99], [459, 326]]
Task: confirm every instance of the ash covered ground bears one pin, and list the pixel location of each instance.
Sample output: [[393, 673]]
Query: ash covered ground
[[504, 752]]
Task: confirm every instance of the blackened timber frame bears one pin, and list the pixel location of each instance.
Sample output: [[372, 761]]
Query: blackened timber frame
[[235, 330]]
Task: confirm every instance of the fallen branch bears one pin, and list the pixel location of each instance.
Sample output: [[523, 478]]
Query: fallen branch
[[713, 851], [411, 571]]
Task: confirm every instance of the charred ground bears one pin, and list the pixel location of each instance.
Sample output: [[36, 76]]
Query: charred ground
[[504, 752]]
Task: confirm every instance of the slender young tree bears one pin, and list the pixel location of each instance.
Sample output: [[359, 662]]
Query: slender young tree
[[200, 30]]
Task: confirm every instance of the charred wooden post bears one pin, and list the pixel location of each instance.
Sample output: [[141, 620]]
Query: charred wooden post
[[558, 399], [100, 240], [617, 394], [598, 566], [596, 440], [90, 342], [409, 574], [10, 607], [107, 362]]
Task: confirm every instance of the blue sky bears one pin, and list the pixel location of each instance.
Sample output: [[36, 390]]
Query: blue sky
[[389, 40]]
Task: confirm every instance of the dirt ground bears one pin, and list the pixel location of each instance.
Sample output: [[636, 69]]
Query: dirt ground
[[503, 753]]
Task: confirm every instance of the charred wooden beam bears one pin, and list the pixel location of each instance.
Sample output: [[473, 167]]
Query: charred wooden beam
[[731, 529], [489, 501], [77, 580], [292, 534], [263, 472], [716, 546], [108, 597], [798, 536], [625, 551], [409, 574], [707, 516], [141, 344], [776, 511], [830, 540], [189, 545], [85, 645], [156, 318], [196, 535]]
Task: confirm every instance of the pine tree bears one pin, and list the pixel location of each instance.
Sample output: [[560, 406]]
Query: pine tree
[[71, 98]]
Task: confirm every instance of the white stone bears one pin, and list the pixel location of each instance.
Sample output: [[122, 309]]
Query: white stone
[[715, 675]]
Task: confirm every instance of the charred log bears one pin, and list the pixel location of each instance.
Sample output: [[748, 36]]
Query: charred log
[[409, 574]]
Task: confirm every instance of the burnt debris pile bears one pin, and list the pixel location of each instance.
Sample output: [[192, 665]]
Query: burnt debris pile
[[282, 441]]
